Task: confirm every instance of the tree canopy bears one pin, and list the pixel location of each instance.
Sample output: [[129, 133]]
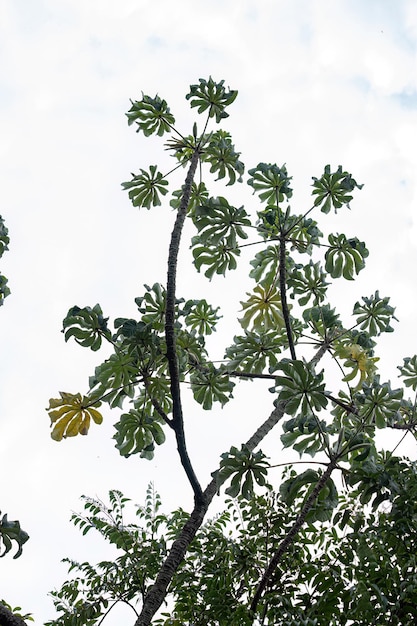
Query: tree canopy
[[331, 537]]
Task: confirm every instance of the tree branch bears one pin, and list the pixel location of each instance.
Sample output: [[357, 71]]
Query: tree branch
[[178, 419], [283, 294], [7, 618], [290, 536], [156, 594]]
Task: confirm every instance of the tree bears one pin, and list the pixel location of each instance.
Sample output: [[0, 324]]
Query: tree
[[330, 544]]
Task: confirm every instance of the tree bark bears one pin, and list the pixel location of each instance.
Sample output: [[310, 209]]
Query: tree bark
[[7, 618]]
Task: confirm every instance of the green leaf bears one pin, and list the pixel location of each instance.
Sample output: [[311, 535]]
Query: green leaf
[[380, 403], [115, 379], [87, 326], [224, 161], [254, 352], [211, 96], [375, 314], [333, 189], [138, 432], [11, 532], [152, 115], [145, 188], [244, 468], [308, 282], [409, 372], [199, 196], [208, 386], [201, 316], [4, 237], [271, 182], [263, 310], [301, 388], [345, 257], [216, 221]]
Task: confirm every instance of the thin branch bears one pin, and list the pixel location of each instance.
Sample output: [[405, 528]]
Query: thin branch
[[7, 618], [290, 536], [157, 593], [283, 294], [177, 419]]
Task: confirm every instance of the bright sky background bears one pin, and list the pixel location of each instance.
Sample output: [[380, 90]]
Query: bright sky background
[[320, 81]]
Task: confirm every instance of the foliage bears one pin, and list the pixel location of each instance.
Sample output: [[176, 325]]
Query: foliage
[[331, 543], [4, 241], [9, 532]]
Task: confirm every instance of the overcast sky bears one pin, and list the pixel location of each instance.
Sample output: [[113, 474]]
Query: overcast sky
[[319, 81]]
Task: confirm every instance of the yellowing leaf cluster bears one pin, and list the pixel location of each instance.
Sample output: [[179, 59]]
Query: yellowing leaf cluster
[[71, 415]]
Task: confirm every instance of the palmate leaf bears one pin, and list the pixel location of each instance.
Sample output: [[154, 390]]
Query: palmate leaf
[[145, 188], [265, 266], [138, 432], [199, 196], [211, 96], [333, 189], [217, 220], [10, 531], [305, 434], [4, 237], [271, 182], [201, 316], [71, 415], [4, 289], [87, 326], [375, 314], [308, 282], [209, 385], [380, 403], [263, 310], [115, 379], [254, 352], [301, 388], [245, 468], [409, 372], [152, 115], [224, 160], [219, 258], [359, 360], [345, 257]]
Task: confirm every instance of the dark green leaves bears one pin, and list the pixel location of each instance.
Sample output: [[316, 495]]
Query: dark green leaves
[[224, 161], [208, 386], [138, 432], [4, 237], [301, 388], [375, 314], [219, 226], [4, 241], [345, 257], [409, 372], [244, 467], [146, 187], [152, 115], [211, 96], [254, 352], [11, 532], [308, 281], [87, 326], [333, 189], [201, 316], [271, 182]]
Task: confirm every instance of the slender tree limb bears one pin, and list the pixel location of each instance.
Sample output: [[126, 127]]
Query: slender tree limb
[[290, 536], [178, 419], [7, 618], [283, 294], [156, 594]]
